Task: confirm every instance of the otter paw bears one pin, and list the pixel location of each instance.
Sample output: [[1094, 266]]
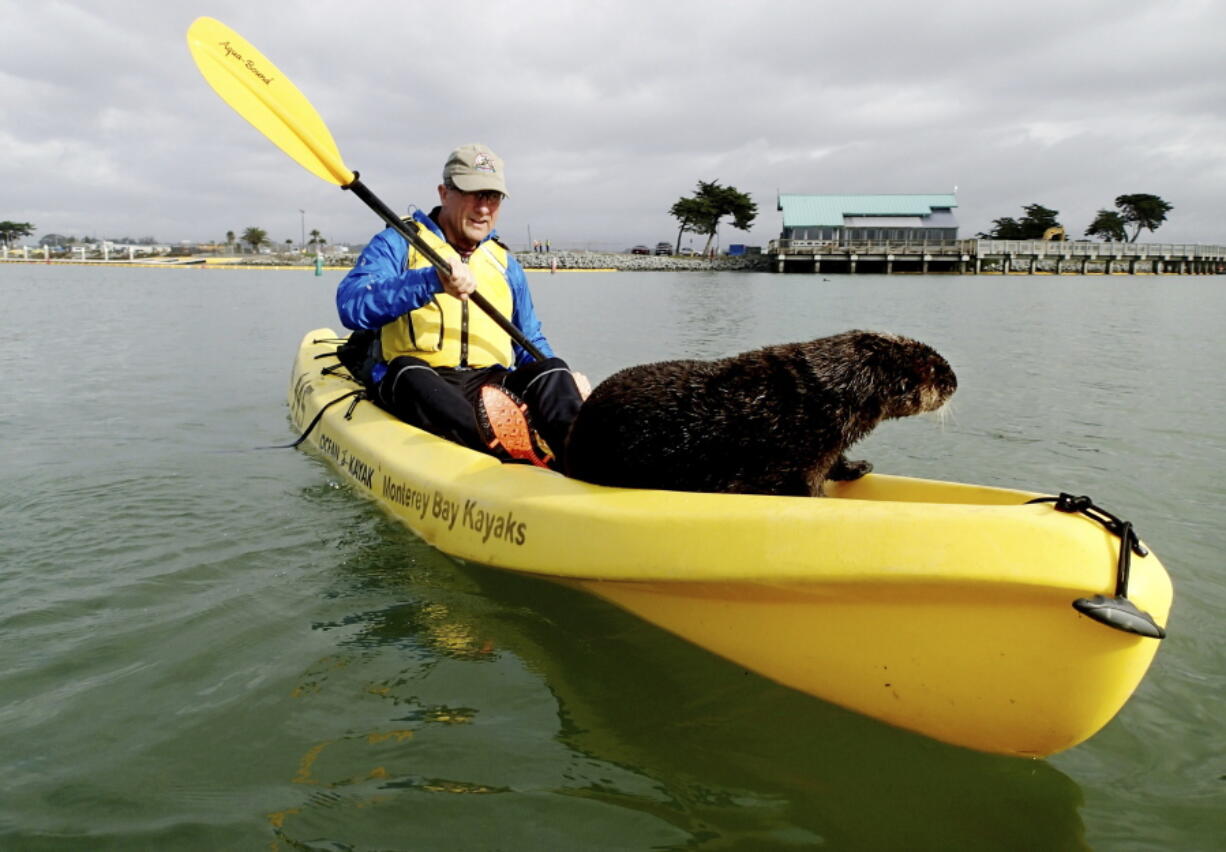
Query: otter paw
[[845, 471]]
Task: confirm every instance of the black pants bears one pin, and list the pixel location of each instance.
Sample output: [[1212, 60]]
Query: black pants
[[443, 400]]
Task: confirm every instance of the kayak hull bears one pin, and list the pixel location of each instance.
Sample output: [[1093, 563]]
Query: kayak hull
[[998, 676], [939, 607]]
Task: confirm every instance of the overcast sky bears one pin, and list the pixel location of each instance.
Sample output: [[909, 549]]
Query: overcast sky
[[607, 113]]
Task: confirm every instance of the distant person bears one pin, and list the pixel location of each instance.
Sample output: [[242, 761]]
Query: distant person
[[432, 358]]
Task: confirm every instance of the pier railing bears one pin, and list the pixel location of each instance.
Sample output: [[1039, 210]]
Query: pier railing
[[943, 247], [1051, 248], [976, 256], [998, 248]]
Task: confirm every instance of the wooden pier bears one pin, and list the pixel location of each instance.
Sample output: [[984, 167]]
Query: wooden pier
[[978, 257]]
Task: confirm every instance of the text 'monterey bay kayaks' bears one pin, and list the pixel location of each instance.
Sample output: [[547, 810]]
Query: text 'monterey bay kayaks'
[[965, 613]]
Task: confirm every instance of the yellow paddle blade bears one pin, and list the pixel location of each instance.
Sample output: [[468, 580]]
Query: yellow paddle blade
[[258, 91]]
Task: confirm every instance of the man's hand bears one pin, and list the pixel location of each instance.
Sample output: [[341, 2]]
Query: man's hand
[[460, 282]]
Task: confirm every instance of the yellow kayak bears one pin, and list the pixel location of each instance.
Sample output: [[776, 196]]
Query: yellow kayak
[[939, 607]]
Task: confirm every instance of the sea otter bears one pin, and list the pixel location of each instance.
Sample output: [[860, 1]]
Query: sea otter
[[776, 420]]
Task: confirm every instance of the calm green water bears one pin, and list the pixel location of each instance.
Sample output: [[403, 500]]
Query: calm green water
[[208, 647]]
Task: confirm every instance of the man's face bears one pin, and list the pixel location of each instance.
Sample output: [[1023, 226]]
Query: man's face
[[467, 217]]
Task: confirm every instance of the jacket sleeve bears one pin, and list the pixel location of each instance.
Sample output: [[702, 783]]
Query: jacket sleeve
[[379, 288], [523, 314]]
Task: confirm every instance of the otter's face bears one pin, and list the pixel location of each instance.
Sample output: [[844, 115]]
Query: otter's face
[[907, 376], [881, 375], [925, 384]]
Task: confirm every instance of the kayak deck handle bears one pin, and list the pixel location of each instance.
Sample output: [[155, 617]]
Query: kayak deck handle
[[1116, 611]]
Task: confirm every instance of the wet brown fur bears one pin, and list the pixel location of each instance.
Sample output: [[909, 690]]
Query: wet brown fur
[[776, 420]]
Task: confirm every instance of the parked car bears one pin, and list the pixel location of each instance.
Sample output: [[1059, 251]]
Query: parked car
[[664, 248], [687, 252], [640, 250]]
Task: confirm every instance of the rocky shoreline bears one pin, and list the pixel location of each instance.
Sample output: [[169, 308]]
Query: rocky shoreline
[[640, 262]]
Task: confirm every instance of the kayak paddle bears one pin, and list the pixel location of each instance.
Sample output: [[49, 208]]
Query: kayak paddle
[[258, 91]]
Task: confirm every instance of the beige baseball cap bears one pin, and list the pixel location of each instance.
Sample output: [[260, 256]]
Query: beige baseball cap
[[475, 168]]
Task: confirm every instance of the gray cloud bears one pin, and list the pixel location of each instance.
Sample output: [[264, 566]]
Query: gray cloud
[[607, 114]]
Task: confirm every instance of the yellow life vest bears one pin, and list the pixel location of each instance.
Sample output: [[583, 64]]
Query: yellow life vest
[[446, 332]]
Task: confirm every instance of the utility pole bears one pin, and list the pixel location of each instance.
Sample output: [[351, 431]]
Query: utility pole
[[302, 244]]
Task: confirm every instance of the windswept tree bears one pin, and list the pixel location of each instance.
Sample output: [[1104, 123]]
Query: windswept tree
[[1032, 226], [10, 231], [1144, 211], [701, 213], [255, 237], [694, 215], [1108, 225]]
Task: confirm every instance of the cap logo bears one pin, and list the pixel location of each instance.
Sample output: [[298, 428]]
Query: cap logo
[[482, 164]]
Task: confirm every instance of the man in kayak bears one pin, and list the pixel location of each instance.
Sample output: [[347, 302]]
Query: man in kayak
[[435, 360]]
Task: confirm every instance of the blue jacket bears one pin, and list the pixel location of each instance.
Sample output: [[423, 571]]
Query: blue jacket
[[379, 289]]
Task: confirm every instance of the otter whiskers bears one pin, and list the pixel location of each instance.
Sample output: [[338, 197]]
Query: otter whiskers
[[942, 415]]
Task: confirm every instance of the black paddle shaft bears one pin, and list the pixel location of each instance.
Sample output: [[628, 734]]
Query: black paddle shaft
[[409, 231]]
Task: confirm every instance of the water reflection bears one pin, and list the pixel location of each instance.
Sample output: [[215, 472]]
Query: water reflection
[[757, 764], [514, 710]]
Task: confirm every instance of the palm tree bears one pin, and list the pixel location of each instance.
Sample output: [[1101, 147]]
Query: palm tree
[[229, 241], [316, 239], [255, 237]]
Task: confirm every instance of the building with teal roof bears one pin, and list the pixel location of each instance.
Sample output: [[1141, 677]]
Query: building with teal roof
[[906, 219]]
